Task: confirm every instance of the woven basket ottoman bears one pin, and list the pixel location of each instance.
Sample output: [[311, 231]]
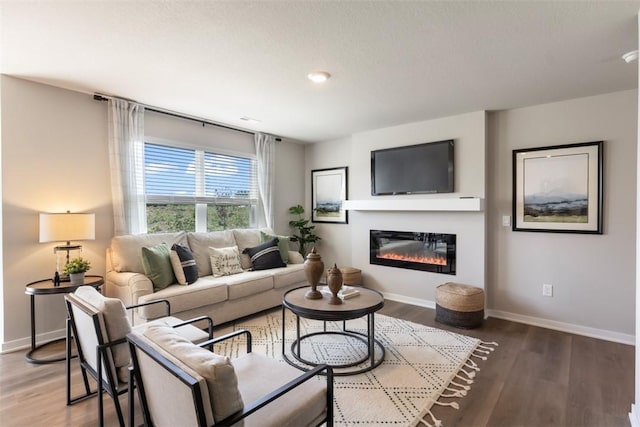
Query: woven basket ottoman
[[351, 276], [458, 305]]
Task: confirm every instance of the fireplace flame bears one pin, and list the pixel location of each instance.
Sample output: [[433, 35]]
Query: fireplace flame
[[413, 258]]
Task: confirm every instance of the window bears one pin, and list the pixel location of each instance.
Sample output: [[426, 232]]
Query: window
[[197, 190]]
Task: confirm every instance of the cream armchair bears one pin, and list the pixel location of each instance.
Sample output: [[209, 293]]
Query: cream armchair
[[180, 383], [99, 326]]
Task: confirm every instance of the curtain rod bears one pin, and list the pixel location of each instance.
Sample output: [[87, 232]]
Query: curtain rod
[[100, 97]]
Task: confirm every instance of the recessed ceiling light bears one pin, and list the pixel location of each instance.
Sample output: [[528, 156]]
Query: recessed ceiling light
[[630, 56], [318, 76]]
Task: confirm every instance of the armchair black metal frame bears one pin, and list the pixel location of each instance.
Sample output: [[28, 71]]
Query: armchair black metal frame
[[193, 384], [103, 355]]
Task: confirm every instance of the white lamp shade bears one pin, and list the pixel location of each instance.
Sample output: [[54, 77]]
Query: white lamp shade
[[60, 227]]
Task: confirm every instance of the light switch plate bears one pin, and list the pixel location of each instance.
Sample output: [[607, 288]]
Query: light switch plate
[[506, 220]]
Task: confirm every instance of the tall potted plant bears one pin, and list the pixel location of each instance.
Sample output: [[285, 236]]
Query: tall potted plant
[[305, 232]]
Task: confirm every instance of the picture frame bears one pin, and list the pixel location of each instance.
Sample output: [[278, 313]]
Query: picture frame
[[328, 194], [558, 189]]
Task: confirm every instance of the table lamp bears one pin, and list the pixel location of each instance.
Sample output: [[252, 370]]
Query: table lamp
[[66, 227]]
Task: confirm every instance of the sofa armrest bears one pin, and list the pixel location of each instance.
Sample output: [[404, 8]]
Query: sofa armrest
[[295, 258], [127, 286]]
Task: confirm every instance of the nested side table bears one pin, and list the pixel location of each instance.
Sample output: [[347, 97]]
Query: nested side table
[[46, 287]]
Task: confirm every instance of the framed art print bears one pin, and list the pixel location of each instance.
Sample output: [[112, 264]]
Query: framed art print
[[558, 189], [328, 194]]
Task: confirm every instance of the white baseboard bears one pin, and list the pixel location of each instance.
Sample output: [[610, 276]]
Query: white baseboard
[[534, 321], [586, 331], [25, 343], [409, 300], [634, 416]]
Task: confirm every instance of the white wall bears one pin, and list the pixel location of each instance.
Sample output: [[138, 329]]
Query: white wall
[[289, 183], [468, 131], [54, 154], [335, 246], [593, 275], [54, 158], [418, 287]]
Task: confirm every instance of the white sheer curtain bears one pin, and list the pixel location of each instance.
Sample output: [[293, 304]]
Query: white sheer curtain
[[265, 156], [126, 157]]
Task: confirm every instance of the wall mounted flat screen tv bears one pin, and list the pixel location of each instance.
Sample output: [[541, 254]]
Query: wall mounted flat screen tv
[[413, 169]]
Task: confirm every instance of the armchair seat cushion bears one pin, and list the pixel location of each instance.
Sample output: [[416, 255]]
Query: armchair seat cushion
[[259, 375]]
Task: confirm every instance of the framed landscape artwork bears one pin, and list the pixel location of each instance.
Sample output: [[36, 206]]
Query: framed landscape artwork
[[558, 189], [328, 193]]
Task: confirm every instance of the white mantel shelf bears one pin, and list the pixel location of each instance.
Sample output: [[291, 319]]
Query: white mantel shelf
[[438, 205]]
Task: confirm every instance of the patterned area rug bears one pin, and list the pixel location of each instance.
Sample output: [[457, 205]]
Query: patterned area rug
[[421, 366]]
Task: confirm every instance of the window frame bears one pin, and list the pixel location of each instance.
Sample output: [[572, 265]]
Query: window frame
[[202, 201]]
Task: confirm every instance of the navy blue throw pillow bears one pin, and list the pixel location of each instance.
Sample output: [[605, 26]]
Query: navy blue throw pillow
[[187, 262], [265, 256]]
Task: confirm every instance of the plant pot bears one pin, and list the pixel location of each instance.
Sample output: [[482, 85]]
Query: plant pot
[[76, 278]]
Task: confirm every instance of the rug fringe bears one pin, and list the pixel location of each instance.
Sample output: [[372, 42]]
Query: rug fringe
[[436, 422], [427, 418]]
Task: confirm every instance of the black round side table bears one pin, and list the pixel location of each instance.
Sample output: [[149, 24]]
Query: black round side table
[[46, 287]]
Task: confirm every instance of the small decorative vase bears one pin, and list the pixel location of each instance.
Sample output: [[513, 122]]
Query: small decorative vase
[[313, 269], [76, 278], [334, 282]]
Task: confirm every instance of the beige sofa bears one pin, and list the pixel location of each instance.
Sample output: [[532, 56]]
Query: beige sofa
[[223, 298]]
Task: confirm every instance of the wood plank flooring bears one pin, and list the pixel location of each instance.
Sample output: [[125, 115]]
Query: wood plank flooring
[[536, 377]]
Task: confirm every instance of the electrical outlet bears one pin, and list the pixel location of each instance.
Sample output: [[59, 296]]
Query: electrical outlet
[[547, 290]]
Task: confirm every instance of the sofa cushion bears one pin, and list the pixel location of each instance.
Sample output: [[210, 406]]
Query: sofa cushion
[[200, 243], [116, 322], [283, 244], [184, 265], [222, 382], [246, 238], [265, 256], [203, 292], [225, 261], [291, 274], [125, 250], [157, 266], [249, 283]]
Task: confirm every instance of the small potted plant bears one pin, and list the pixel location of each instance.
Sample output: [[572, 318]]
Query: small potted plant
[[76, 268]]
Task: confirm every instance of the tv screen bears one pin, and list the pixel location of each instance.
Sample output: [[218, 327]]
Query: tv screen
[[422, 168]]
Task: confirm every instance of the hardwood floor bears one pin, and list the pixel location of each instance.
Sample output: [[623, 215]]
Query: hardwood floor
[[536, 377]]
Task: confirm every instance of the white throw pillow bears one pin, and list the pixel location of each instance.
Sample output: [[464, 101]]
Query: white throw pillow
[[225, 261], [217, 370], [200, 242]]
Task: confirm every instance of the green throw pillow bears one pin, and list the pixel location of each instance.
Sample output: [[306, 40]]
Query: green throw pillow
[[157, 266], [283, 244]]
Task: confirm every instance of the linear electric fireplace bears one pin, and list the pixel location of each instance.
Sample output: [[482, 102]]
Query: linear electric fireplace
[[434, 252]]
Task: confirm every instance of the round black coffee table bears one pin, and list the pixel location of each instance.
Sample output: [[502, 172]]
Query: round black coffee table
[[365, 304]]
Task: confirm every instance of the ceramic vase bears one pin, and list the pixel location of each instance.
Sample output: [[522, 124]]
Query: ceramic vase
[[313, 269], [76, 278], [334, 282]]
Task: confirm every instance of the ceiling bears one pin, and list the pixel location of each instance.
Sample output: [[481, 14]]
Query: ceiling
[[391, 62]]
